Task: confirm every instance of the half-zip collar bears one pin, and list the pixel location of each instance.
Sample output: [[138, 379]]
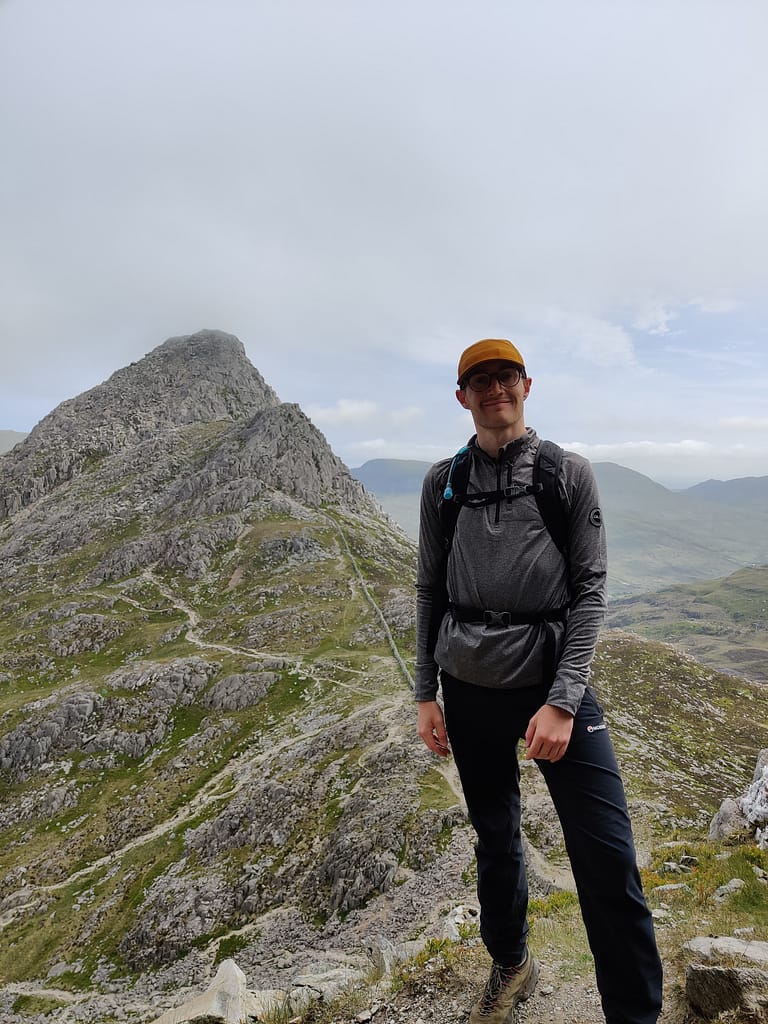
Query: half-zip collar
[[506, 458]]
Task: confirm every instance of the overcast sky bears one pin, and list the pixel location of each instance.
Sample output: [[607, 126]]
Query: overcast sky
[[359, 189]]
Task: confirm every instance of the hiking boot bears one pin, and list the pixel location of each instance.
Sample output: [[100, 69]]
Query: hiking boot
[[506, 987]]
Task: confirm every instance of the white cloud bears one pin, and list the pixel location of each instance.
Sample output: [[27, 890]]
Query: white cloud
[[655, 320], [589, 337], [383, 448], [360, 412], [714, 305], [407, 416], [758, 424], [645, 449], [346, 411]]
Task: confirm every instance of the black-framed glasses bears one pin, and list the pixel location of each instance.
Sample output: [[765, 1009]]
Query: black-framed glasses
[[509, 378]]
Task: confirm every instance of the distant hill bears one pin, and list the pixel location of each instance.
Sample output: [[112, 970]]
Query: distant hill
[[397, 485], [9, 438], [722, 623], [656, 537], [392, 476], [745, 490]]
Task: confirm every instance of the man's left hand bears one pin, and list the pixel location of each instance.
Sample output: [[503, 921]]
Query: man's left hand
[[548, 734]]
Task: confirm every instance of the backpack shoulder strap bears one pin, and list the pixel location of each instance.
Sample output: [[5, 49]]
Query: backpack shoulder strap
[[454, 492], [546, 490], [546, 480]]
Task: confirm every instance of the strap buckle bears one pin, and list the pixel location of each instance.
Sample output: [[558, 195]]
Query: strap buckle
[[520, 490], [491, 618]]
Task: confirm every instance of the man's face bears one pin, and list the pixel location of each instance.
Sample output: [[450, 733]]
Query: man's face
[[497, 406]]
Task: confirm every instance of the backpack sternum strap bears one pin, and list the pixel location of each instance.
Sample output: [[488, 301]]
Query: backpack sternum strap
[[545, 488]]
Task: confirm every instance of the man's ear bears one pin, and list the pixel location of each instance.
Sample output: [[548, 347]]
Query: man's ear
[[462, 398], [527, 387]]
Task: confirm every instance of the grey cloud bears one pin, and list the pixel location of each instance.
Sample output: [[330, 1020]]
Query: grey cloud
[[359, 189]]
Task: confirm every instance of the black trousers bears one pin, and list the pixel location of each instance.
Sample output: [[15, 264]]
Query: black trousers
[[484, 727]]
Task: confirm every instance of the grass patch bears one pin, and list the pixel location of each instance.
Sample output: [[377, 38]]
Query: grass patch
[[435, 792], [230, 946], [30, 1005], [552, 904]]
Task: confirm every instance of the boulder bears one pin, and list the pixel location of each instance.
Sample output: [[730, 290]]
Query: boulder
[[712, 990], [226, 1000], [728, 821], [727, 945]]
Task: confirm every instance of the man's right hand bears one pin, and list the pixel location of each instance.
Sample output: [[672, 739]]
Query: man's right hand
[[431, 727]]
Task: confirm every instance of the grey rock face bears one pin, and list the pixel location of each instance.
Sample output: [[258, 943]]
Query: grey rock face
[[162, 461], [25, 748], [711, 991], [233, 693], [750, 812], [728, 821], [727, 945], [88, 722], [84, 633], [193, 379], [226, 999]]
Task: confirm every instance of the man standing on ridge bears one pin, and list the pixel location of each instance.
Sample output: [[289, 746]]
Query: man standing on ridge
[[508, 614]]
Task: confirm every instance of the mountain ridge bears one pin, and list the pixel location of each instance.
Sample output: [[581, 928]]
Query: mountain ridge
[[199, 378], [10, 438], [722, 623]]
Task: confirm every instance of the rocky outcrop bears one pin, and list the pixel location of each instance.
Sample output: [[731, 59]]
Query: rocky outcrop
[[226, 999], [163, 464], [128, 722], [754, 803], [198, 378], [728, 821], [55, 733], [712, 989], [749, 813]]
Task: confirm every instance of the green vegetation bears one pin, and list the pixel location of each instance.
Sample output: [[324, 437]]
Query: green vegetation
[[31, 1005], [722, 623], [555, 902], [435, 792], [672, 720]]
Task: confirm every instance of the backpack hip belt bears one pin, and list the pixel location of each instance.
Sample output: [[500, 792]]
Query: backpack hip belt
[[460, 613]]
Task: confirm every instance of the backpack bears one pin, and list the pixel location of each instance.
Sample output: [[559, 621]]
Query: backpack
[[544, 488]]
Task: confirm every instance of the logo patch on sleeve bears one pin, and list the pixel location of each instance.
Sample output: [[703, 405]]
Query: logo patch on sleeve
[[596, 517]]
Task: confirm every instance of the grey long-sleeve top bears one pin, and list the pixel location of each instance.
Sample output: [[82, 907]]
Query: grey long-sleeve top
[[503, 559]]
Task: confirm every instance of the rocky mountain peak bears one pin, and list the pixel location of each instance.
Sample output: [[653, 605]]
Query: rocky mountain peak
[[199, 378], [195, 378]]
